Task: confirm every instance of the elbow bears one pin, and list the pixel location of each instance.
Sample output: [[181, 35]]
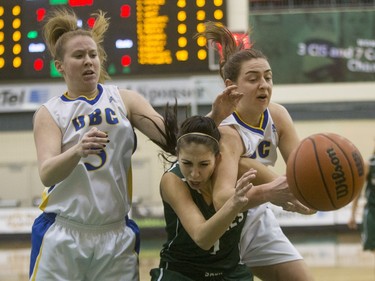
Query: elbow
[[218, 203], [46, 178], [46, 181], [204, 245], [203, 239]]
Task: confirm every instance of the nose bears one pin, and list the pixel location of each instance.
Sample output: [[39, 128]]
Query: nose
[[194, 173], [263, 83], [88, 60]]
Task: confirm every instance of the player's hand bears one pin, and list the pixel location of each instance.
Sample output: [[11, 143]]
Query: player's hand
[[93, 142], [225, 104], [283, 197], [297, 207], [243, 185]]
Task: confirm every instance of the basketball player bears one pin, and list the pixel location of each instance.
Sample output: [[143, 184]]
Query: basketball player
[[202, 244], [368, 222], [256, 129], [84, 141]]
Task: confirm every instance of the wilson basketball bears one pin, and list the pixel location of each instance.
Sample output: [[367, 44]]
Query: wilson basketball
[[325, 172]]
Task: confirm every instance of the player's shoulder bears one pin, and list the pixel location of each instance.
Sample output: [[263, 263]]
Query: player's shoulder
[[274, 107], [128, 93], [230, 140], [173, 187], [173, 172], [42, 114], [228, 131], [132, 99], [278, 111]]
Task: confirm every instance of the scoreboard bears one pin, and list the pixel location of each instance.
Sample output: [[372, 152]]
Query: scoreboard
[[145, 37]]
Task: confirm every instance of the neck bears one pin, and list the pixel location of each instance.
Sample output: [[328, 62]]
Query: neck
[[249, 119], [207, 193], [88, 95]]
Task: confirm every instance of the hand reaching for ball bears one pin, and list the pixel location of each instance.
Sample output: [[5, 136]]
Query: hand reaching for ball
[[282, 196]]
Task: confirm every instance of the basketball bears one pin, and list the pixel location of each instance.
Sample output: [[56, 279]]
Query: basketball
[[325, 172]]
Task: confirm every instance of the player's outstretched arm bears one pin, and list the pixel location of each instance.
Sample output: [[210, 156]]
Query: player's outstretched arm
[[270, 187]]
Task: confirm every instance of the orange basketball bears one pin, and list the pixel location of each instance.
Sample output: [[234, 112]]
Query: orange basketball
[[325, 172]]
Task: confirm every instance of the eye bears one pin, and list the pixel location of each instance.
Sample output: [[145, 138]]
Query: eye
[[252, 78], [268, 78], [185, 163]]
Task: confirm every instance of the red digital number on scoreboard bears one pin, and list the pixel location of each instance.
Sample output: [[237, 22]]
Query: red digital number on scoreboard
[[77, 3]]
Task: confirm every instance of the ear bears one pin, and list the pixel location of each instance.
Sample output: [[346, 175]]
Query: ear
[[59, 66], [218, 157], [228, 82]]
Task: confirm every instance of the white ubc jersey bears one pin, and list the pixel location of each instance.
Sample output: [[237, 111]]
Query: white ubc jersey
[[262, 241], [260, 142], [98, 191]]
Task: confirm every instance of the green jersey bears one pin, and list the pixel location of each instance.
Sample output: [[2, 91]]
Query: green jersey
[[181, 254]]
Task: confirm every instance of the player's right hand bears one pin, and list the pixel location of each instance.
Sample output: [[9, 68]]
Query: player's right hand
[[243, 185]]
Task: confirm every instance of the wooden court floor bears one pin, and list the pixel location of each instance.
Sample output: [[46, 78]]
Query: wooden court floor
[[355, 273]]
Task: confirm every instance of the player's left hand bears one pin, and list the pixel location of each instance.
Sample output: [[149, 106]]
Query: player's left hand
[[297, 207], [284, 198]]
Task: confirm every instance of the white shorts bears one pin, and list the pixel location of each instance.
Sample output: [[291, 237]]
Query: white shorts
[[262, 240], [75, 252]]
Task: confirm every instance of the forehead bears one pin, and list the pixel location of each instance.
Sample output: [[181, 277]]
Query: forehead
[[80, 42], [195, 152], [258, 65]]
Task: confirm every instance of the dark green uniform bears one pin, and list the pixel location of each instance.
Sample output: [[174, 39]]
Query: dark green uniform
[[368, 233], [181, 256]]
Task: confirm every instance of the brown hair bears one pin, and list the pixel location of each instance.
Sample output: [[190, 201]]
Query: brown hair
[[233, 52], [61, 26], [200, 130]]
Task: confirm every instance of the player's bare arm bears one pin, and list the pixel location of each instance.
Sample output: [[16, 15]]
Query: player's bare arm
[[288, 141], [138, 107], [288, 137], [225, 175], [203, 232], [53, 163]]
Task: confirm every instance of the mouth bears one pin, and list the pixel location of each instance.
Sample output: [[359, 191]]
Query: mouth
[[88, 72], [194, 183], [262, 97]]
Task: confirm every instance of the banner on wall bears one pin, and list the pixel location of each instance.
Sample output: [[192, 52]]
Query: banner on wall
[[196, 90], [20, 220], [317, 47], [17, 220]]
